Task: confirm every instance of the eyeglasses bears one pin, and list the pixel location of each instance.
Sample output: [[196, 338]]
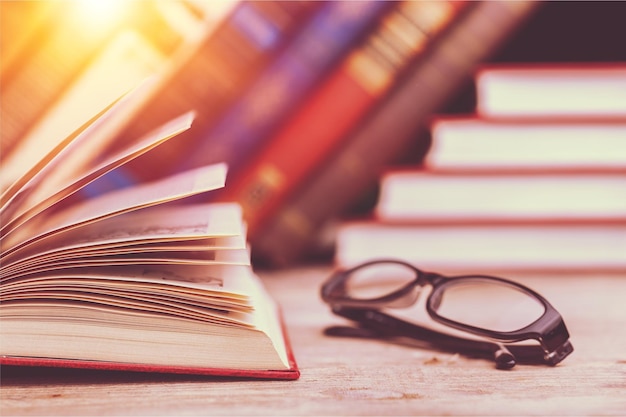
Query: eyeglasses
[[497, 309]]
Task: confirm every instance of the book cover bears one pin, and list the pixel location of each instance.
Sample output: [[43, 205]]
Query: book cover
[[286, 83], [548, 90], [345, 97], [136, 278], [354, 167]]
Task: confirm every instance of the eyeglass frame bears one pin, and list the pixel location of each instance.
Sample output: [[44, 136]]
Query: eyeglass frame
[[549, 329]]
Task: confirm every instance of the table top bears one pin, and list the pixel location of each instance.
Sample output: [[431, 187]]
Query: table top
[[342, 376]]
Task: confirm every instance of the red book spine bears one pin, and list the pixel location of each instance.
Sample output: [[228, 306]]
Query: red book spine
[[290, 156]]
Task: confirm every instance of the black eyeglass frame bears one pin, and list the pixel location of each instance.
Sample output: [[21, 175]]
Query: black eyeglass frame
[[549, 329]]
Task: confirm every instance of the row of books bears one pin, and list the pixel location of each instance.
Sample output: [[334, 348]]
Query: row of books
[[535, 180], [118, 250], [364, 114]]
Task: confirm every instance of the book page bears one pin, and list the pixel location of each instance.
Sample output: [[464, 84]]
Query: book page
[[265, 318], [221, 299], [209, 225], [220, 250], [225, 282], [120, 201], [10, 191], [141, 257], [73, 167]]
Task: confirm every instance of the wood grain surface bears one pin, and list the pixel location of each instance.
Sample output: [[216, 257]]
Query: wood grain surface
[[365, 377]]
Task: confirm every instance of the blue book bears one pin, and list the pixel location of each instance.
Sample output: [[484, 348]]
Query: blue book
[[326, 38]]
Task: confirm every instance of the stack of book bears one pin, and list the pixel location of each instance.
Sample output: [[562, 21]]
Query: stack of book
[[535, 180]]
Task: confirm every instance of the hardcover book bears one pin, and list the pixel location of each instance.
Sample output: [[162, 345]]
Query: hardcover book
[[487, 247], [501, 195], [527, 143], [136, 278], [548, 90]]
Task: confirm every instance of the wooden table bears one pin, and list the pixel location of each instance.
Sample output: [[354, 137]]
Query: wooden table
[[364, 377]]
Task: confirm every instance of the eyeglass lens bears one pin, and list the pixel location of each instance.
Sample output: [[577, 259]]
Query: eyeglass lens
[[488, 304], [378, 279]]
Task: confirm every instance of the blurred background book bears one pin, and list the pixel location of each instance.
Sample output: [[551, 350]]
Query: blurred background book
[[388, 133], [297, 166]]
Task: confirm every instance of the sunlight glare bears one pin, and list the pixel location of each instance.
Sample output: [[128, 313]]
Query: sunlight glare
[[100, 12]]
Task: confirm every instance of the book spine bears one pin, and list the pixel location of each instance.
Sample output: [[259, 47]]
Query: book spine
[[355, 167], [286, 82], [363, 77], [221, 69]]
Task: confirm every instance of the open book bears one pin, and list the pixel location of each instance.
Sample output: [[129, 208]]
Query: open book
[[138, 278]]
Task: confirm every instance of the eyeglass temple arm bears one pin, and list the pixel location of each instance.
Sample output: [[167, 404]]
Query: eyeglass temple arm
[[386, 326]]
